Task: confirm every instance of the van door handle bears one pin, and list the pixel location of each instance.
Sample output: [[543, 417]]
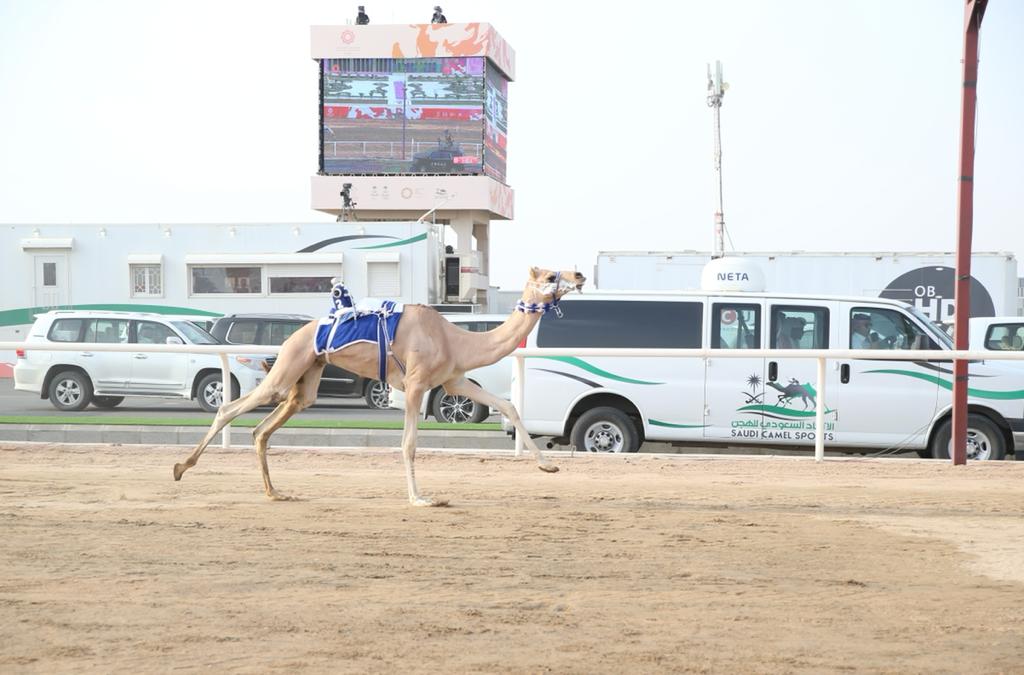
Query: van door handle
[[844, 373], [86, 353], [773, 371], [141, 356]]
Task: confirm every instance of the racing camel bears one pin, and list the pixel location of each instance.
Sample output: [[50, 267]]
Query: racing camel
[[427, 351]]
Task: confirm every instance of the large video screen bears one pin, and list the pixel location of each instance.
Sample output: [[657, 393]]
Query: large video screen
[[413, 116]]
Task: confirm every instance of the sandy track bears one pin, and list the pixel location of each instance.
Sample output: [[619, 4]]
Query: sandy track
[[637, 564]]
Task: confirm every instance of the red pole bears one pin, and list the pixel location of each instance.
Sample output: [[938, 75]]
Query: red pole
[[974, 11]]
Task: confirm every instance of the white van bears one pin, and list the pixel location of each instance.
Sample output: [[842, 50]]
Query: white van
[[616, 403]]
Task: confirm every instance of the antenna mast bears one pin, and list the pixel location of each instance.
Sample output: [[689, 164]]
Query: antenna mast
[[716, 92]]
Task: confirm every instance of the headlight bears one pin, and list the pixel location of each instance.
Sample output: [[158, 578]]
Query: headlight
[[252, 362]]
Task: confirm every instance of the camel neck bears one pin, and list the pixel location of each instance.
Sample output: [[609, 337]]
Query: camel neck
[[490, 347]]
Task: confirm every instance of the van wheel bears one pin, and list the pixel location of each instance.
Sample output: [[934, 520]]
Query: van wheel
[[210, 392], [107, 401], [376, 395], [605, 430], [70, 390], [984, 439]]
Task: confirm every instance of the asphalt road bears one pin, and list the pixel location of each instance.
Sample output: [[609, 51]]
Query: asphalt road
[[24, 403]]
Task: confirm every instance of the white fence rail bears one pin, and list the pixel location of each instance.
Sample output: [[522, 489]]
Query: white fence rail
[[822, 355], [220, 350], [520, 355]]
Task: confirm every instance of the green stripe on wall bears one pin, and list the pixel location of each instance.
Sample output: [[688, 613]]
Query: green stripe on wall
[[401, 242], [26, 315]]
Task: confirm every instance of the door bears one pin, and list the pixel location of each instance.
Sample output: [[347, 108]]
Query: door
[[110, 371], [885, 403], [791, 397], [50, 287], [157, 373], [734, 387]]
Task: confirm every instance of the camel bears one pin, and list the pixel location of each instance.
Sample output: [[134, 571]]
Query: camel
[[433, 351]]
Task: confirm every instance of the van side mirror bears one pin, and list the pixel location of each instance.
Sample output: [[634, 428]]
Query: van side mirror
[[174, 340]]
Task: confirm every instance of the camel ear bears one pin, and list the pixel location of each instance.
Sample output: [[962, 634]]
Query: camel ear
[[533, 272]]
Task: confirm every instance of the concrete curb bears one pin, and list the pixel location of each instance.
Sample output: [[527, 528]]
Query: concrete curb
[[347, 438]]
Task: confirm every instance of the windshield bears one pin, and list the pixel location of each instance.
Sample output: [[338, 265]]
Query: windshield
[[194, 333], [934, 330]]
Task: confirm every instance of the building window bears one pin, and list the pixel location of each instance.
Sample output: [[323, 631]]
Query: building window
[[300, 284], [146, 281], [217, 279]]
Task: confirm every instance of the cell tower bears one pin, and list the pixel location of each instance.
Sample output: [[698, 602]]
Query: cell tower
[[716, 92]]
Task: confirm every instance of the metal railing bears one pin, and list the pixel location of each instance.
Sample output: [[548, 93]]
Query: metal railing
[[391, 149], [520, 356], [822, 355]]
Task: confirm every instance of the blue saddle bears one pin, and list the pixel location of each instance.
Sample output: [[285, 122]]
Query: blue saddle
[[376, 322]]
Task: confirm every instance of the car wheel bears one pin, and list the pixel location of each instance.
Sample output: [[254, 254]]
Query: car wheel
[[377, 395], [70, 390], [210, 392], [456, 409], [107, 401], [605, 430], [984, 439]]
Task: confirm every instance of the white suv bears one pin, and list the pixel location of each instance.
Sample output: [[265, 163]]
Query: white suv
[[495, 378], [74, 379]]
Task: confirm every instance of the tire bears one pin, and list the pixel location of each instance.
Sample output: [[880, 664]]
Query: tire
[[457, 409], [605, 430], [376, 395], [210, 392], [107, 402], [70, 390], [985, 441]]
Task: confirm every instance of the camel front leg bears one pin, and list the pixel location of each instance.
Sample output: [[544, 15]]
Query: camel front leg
[[301, 396], [413, 400], [261, 395], [471, 390]]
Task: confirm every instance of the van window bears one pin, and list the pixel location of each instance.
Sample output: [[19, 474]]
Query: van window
[[875, 328], [66, 330], [107, 331], [796, 327], [623, 323], [1005, 337], [735, 326]]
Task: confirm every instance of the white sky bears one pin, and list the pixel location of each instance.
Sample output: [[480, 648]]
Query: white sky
[[840, 127]]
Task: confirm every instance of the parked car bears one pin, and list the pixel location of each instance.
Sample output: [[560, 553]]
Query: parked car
[[71, 380], [495, 378], [274, 329]]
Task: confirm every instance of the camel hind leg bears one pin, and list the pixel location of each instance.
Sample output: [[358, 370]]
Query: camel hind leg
[[301, 396]]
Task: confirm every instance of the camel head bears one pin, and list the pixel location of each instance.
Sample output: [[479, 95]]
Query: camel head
[[546, 286]]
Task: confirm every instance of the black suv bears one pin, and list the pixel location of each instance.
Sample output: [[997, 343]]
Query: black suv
[[274, 329]]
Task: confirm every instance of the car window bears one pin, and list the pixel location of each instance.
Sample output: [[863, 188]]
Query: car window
[[242, 333], [477, 326], [66, 330], [1005, 337], [194, 333], [112, 331], [152, 333], [279, 331]]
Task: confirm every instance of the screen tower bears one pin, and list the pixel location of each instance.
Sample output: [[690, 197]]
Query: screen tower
[[413, 119]]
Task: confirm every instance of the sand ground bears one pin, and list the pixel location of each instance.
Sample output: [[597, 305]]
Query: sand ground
[[615, 564]]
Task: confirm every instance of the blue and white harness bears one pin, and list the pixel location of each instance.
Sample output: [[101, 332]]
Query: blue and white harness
[[369, 320]]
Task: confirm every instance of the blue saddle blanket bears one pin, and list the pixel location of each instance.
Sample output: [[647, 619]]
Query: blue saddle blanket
[[362, 324]]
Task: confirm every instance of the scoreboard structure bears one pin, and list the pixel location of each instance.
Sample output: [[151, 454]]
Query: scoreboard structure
[[414, 118]]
